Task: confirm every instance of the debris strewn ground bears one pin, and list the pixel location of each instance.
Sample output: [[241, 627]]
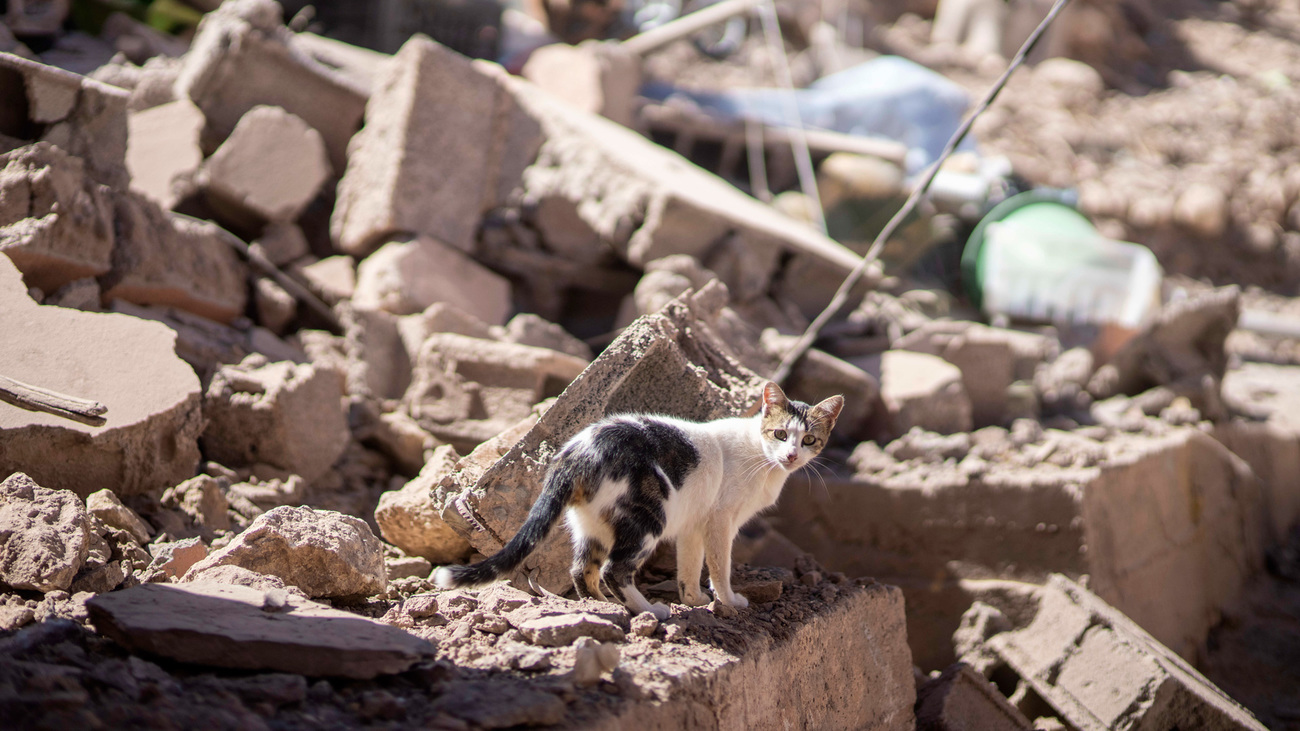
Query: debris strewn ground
[[287, 323]]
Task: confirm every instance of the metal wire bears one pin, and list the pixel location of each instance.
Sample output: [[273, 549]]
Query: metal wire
[[841, 297]]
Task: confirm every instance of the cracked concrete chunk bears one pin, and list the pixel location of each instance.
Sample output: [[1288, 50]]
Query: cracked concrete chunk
[[322, 552], [163, 149], [920, 390], [672, 363], [409, 519], [283, 414], [83, 117], [44, 535], [162, 259], [174, 558], [438, 133], [149, 439], [1100, 670], [963, 700], [106, 506], [271, 166], [408, 277], [243, 57], [56, 224], [465, 390], [240, 627]]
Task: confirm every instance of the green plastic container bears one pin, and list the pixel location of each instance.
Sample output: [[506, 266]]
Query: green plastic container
[[1035, 257]]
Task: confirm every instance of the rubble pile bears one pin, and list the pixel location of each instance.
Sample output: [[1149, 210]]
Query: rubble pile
[[289, 323]]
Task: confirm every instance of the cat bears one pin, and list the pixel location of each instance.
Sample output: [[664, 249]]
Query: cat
[[632, 480]]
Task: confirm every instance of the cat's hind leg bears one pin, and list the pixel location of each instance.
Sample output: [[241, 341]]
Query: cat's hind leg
[[585, 572], [620, 577], [690, 559]]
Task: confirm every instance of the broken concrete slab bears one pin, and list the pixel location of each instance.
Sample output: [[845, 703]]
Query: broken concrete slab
[[322, 552], [669, 363], [44, 535], [268, 169], [409, 519], [465, 390], [173, 261], [920, 390], [1168, 527], [56, 223], [83, 117], [251, 629], [533, 330], [440, 142], [408, 277], [961, 699], [163, 149], [287, 415], [106, 506], [243, 57], [1099, 670], [147, 439]]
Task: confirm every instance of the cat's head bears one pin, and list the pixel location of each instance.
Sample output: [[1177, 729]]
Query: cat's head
[[793, 433]]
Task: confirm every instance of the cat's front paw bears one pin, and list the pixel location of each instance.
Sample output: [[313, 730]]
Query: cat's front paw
[[661, 611], [695, 599], [738, 601]]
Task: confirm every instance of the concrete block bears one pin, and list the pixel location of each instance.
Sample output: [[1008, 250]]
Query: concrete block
[[1272, 447], [163, 149], [377, 364], [148, 439], [161, 259], [920, 390], [1168, 527], [56, 223], [533, 330], [283, 243], [82, 117], [963, 700], [243, 57], [334, 278], [465, 390], [224, 625], [286, 415], [598, 78], [407, 277], [990, 360], [1100, 670], [428, 160], [269, 168], [409, 519], [671, 363]]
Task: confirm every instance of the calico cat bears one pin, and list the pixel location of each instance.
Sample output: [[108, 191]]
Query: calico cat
[[632, 480]]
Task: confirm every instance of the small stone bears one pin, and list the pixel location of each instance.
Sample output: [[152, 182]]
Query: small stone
[[811, 578], [726, 611], [105, 505], [645, 624], [761, 592], [558, 630]]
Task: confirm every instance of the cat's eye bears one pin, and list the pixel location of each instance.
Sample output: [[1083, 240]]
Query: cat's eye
[[780, 435], [809, 440]]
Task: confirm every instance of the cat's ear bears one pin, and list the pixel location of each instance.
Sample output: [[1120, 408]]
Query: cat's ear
[[830, 408], [773, 397]]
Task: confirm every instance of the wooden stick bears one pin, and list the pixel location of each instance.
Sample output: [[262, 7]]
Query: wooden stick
[[687, 25], [35, 398]]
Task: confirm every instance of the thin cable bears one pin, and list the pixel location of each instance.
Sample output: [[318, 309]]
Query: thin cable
[[842, 294]]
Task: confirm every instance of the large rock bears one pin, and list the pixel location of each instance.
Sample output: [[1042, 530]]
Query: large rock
[[161, 259], [163, 149], [408, 518], [920, 390], [408, 277], [44, 535], [465, 390], [243, 57], [253, 629], [440, 147], [319, 551], [148, 439], [270, 167], [56, 223], [287, 415], [83, 117], [1099, 670], [670, 363]]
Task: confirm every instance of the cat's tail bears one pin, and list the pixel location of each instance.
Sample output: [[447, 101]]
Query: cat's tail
[[541, 518]]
